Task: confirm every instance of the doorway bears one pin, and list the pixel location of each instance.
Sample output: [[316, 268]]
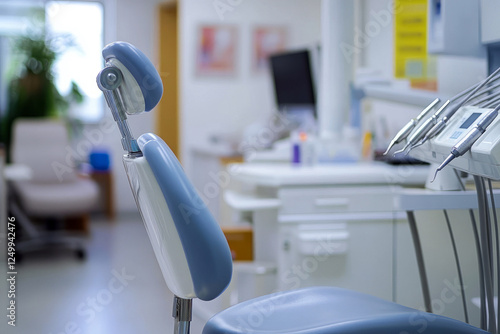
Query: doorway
[[167, 119]]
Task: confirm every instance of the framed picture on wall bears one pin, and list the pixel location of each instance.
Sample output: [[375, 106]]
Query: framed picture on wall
[[266, 40], [216, 50]]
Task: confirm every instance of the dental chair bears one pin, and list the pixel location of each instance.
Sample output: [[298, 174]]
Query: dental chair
[[192, 251]]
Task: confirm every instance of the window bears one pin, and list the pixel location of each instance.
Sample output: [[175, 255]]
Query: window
[[83, 22], [15, 20]]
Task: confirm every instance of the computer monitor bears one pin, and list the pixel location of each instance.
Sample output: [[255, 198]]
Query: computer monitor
[[293, 82]]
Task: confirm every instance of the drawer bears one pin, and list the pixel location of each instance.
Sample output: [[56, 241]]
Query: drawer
[[336, 200]]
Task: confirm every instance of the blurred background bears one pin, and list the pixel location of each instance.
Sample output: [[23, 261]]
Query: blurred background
[[62, 174]]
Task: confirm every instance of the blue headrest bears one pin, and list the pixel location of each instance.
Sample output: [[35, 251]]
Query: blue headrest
[[141, 69]]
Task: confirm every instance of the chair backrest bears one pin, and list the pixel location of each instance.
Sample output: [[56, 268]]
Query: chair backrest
[[43, 145], [188, 234]]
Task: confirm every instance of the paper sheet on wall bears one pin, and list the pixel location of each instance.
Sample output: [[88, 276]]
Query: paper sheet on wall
[[411, 60]]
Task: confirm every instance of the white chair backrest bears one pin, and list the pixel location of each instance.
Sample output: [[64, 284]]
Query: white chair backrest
[[42, 145]]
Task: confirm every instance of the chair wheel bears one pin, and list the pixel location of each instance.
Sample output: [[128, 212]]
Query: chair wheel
[[80, 254]]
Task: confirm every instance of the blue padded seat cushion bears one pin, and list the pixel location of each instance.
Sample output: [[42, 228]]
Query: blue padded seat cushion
[[325, 310], [205, 246]]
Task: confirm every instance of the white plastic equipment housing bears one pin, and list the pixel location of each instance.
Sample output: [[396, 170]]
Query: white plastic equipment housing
[[484, 156], [160, 227]]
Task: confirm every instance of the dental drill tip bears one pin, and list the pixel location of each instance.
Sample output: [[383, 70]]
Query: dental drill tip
[[389, 147], [444, 164], [407, 149], [440, 168], [401, 150], [435, 174], [397, 152], [420, 143], [387, 150]]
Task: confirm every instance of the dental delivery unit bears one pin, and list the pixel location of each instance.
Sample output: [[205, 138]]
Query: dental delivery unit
[[463, 135]]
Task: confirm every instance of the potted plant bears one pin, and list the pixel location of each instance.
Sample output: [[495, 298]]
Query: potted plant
[[32, 92]]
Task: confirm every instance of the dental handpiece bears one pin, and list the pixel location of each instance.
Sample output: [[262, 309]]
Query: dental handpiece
[[406, 130], [434, 131], [432, 127], [423, 129], [469, 139], [441, 124]]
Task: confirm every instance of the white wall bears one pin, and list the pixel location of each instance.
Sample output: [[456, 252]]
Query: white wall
[[211, 106], [377, 51], [226, 106], [379, 54], [134, 22], [454, 74], [207, 105]]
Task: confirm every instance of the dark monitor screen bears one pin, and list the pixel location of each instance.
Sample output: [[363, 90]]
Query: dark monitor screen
[[293, 82]]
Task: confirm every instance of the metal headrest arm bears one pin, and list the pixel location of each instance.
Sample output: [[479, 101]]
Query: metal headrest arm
[[108, 80]]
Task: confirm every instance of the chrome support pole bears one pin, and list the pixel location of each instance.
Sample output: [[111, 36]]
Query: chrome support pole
[[182, 312]]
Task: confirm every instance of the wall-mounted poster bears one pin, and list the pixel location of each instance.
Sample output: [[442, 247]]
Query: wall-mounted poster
[[216, 50], [266, 41], [411, 59]]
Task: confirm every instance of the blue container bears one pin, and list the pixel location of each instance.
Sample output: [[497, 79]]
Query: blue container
[[99, 160]]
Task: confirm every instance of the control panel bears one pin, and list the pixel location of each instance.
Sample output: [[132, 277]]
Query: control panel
[[484, 156]]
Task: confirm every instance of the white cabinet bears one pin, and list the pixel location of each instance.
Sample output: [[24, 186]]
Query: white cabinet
[[338, 236], [336, 199], [354, 254], [332, 225]]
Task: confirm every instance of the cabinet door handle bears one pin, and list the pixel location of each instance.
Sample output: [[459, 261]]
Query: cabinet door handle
[[331, 202]]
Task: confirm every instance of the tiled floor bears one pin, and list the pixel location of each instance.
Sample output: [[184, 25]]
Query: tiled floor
[[117, 289]]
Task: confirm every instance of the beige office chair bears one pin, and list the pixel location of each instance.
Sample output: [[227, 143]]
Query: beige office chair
[[54, 191]]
